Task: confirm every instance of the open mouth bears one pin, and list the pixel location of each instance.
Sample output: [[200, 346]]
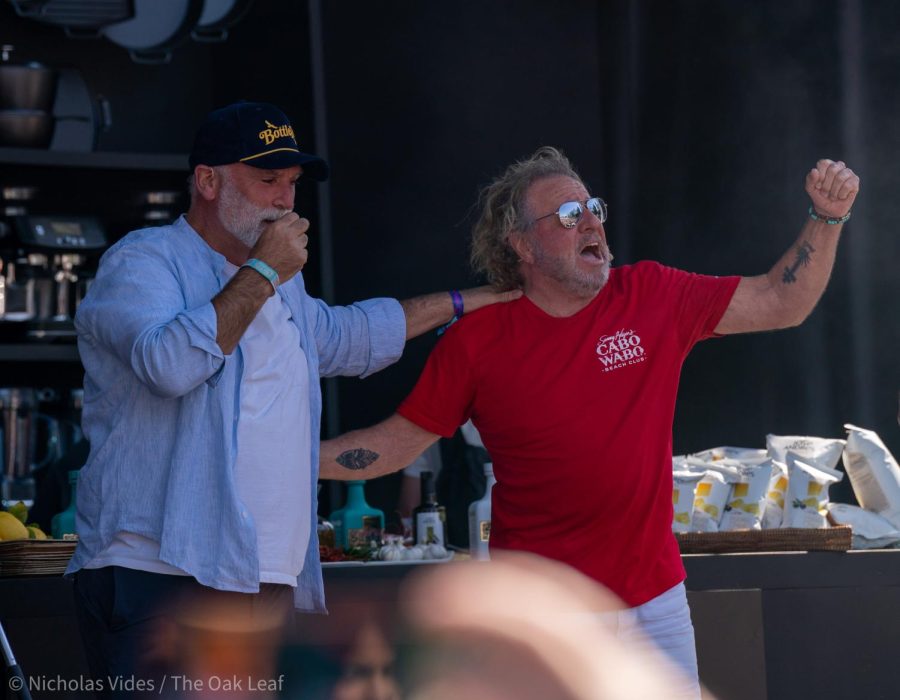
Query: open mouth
[[592, 251]]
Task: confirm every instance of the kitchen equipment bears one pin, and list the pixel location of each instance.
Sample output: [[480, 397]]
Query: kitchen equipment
[[59, 233], [45, 271], [65, 280], [63, 242], [25, 128], [19, 418], [27, 288], [217, 17], [78, 19], [80, 115], [30, 86], [155, 28], [35, 98]]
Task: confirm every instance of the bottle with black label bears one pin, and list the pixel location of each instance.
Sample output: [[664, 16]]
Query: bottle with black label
[[429, 518]]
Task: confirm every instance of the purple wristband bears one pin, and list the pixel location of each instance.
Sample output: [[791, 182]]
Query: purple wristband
[[457, 303], [458, 310]]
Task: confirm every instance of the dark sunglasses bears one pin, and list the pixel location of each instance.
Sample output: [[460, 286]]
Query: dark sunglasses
[[570, 213]]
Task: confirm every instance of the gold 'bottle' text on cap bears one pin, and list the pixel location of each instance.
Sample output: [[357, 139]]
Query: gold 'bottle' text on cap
[[272, 132]]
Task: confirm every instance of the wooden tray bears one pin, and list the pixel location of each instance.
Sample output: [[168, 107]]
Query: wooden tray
[[35, 557], [785, 539]]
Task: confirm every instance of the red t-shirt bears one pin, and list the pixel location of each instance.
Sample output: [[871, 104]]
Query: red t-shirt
[[577, 414]]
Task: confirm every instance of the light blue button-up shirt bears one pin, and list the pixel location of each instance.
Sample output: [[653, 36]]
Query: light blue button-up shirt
[[161, 405]]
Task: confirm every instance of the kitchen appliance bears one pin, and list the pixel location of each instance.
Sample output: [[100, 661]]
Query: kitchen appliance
[[44, 107], [19, 418], [46, 270], [28, 86], [25, 128], [78, 19], [155, 29], [217, 17], [27, 92], [80, 115]]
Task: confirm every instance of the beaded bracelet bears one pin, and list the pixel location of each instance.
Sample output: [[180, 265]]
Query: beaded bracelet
[[827, 219], [458, 310]]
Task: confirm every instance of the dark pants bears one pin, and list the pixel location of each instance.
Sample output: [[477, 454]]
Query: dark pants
[[154, 634]]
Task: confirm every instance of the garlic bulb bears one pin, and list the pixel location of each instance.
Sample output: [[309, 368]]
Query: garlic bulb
[[435, 551], [392, 551], [413, 553]]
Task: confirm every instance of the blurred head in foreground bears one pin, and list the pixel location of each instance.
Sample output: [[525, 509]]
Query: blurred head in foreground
[[521, 628]]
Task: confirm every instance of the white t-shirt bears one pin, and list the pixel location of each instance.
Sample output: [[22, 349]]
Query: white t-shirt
[[272, 469]]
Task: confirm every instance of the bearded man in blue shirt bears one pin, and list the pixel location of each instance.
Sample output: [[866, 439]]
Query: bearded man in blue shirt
[[203, 353]]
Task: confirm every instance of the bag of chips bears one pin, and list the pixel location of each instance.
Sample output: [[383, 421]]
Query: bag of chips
[[685, 484], [747, 501], [806, 504], [773, 513], [873, 473], [870, 530], [744, 455], [711, 494], [819, 452]]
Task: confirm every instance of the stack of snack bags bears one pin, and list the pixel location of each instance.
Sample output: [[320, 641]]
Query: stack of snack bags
[[786, 485], [875, 477], [809, 464], [729, 488]]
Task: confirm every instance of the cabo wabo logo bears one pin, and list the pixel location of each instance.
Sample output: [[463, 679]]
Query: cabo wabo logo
[[273, 132], [620, 349]]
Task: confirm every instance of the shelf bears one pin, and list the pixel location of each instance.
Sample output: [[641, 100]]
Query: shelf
[[39, 352], [110, 160]]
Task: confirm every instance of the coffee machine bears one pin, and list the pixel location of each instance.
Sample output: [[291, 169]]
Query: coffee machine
[[19, 430], [47, 266]]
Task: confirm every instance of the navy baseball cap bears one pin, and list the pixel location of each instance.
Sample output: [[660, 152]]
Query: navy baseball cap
[[253, 133]]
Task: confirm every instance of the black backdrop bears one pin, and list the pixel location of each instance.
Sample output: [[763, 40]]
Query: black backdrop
[[696, 119]]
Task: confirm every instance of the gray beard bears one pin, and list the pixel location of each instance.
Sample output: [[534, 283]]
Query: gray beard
[[242, 219], [574, 281]]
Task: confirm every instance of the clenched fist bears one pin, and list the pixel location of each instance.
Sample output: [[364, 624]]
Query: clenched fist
[[282, 245], [832, 187]]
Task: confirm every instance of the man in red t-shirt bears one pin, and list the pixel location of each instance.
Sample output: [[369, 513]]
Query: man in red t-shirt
[[573, 386]]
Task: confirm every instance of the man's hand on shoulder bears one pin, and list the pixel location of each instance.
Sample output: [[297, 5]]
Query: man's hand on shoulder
[[432, 310], [476, 297]]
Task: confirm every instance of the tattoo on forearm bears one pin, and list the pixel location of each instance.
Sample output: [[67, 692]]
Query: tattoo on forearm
[[804, 257], [357, 459]]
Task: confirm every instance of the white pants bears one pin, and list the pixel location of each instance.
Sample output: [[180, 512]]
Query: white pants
[[664, 621]]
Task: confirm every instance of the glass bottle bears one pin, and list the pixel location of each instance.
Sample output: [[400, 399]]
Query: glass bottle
[[357, 524], [480, 518], [429, 518], [62, 526], [325, 531]]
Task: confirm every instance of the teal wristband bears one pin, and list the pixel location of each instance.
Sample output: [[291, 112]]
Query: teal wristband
[[263, 269], [827, 219]]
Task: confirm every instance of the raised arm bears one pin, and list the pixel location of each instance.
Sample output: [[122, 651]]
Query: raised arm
[[788, 293], [371, 452], [432, 310]]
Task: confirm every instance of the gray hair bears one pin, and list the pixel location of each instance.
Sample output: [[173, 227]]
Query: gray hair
[[192, 185], [503, 210]]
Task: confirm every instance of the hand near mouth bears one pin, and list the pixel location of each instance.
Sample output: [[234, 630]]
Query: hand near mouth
[[282, 245]]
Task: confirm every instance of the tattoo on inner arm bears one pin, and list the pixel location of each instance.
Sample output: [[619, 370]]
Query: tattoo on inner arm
[[804, 257], [357, 459]]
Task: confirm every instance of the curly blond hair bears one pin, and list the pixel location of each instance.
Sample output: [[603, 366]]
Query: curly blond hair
[[503, 210]]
